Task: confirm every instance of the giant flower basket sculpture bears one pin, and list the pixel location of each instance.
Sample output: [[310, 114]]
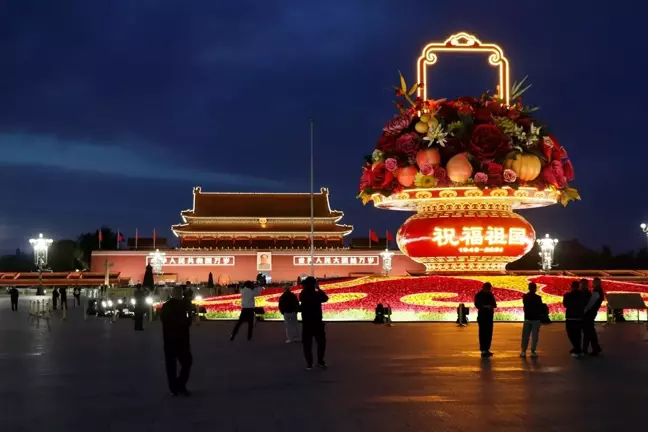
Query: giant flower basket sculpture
[[463, 166]]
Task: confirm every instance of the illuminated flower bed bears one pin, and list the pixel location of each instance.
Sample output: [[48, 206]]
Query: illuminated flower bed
[[430, 298]]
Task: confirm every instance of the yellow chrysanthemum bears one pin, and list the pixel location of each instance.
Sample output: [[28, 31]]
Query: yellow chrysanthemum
[[424, 181]]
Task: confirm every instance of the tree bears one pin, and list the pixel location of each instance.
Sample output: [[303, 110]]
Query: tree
[[19, 262], [210, 281], [64, 255], [90, 241], [148, 282]]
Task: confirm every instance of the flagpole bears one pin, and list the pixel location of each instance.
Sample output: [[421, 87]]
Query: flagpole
[[312, 204], [136, 237], [117, 238], [154, 238]]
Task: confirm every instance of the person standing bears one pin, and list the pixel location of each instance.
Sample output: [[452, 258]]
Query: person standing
[[485, 304], [63, 298], [533, 310], [175, 334], [313, 326], [55, 297], [76, 293], [140, 307], [589, 317], [248, 295], [289, 306], [14, 294], [574, 303]]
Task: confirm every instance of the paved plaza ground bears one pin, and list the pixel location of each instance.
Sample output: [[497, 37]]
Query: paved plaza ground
[[101, 376]]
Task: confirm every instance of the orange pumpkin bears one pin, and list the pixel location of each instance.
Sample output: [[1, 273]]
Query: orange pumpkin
[[459, 168], [406, 175], [428, 156], [527, 166]]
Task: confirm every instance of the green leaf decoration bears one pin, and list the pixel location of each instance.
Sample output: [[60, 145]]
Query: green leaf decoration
[[413, 89], [517, 91]]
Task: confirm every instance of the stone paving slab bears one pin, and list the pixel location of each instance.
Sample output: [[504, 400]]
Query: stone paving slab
[[410, 377]]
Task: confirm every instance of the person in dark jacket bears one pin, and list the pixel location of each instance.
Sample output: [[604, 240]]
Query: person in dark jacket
[[589, 316], [177, 349], [485, 304], [55, 297], [14, 294], [63, 298], [311, 299], [289, 306], [140, 307], [77, 296], [574, 303], [533, 311]]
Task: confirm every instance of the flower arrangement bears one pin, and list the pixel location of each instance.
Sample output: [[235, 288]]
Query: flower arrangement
[[466, 142]]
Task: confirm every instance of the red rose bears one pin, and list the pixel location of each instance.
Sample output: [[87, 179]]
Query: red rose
[[398, 123], [448, 112], [408, 144], [483, 115], [513, 114], [496, 108], [441, 175], [387, 143], [380, 176], [525, 122], [568, 169], [488, 141], [464, 109], [494, 169], [554, 175]]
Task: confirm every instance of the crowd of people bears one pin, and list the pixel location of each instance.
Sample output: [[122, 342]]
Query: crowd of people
[[581, 307]]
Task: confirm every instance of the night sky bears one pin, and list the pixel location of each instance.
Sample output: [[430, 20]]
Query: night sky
[[110, 112]]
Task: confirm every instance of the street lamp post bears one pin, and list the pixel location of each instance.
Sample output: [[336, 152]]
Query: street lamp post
[[157, 260], [644, 228], [547, 247], [40, 245], [386, 261]]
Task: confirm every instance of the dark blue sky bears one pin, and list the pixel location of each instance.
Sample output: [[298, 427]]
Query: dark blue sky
[[112, 111]]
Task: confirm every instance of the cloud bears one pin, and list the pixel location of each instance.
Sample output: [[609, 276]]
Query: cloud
[[137, 161]]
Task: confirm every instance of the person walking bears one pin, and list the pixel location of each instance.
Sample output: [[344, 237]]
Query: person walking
[[313, 326], [140, 308], [574, 303], [589, 317], [14, 294], [485, 304], [248, 295], [64, 304], [289, 306], [533, 310], [176, 321], [76, 293], [55, 297]]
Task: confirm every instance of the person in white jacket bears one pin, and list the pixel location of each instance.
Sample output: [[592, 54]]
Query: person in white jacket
[[248, 295]]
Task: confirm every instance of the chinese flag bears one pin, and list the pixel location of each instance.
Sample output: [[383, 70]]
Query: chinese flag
[[373, 236], [389, 236], [120, 237], [100, 237]]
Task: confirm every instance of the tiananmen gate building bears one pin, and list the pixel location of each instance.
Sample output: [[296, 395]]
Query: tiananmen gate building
[[235, 236]]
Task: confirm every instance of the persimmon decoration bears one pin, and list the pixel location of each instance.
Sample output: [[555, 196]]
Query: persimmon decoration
[[527, 166], [500, 146], [406, 175], [459, 168]]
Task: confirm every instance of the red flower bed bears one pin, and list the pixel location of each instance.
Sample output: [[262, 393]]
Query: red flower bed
[[422, 298]]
